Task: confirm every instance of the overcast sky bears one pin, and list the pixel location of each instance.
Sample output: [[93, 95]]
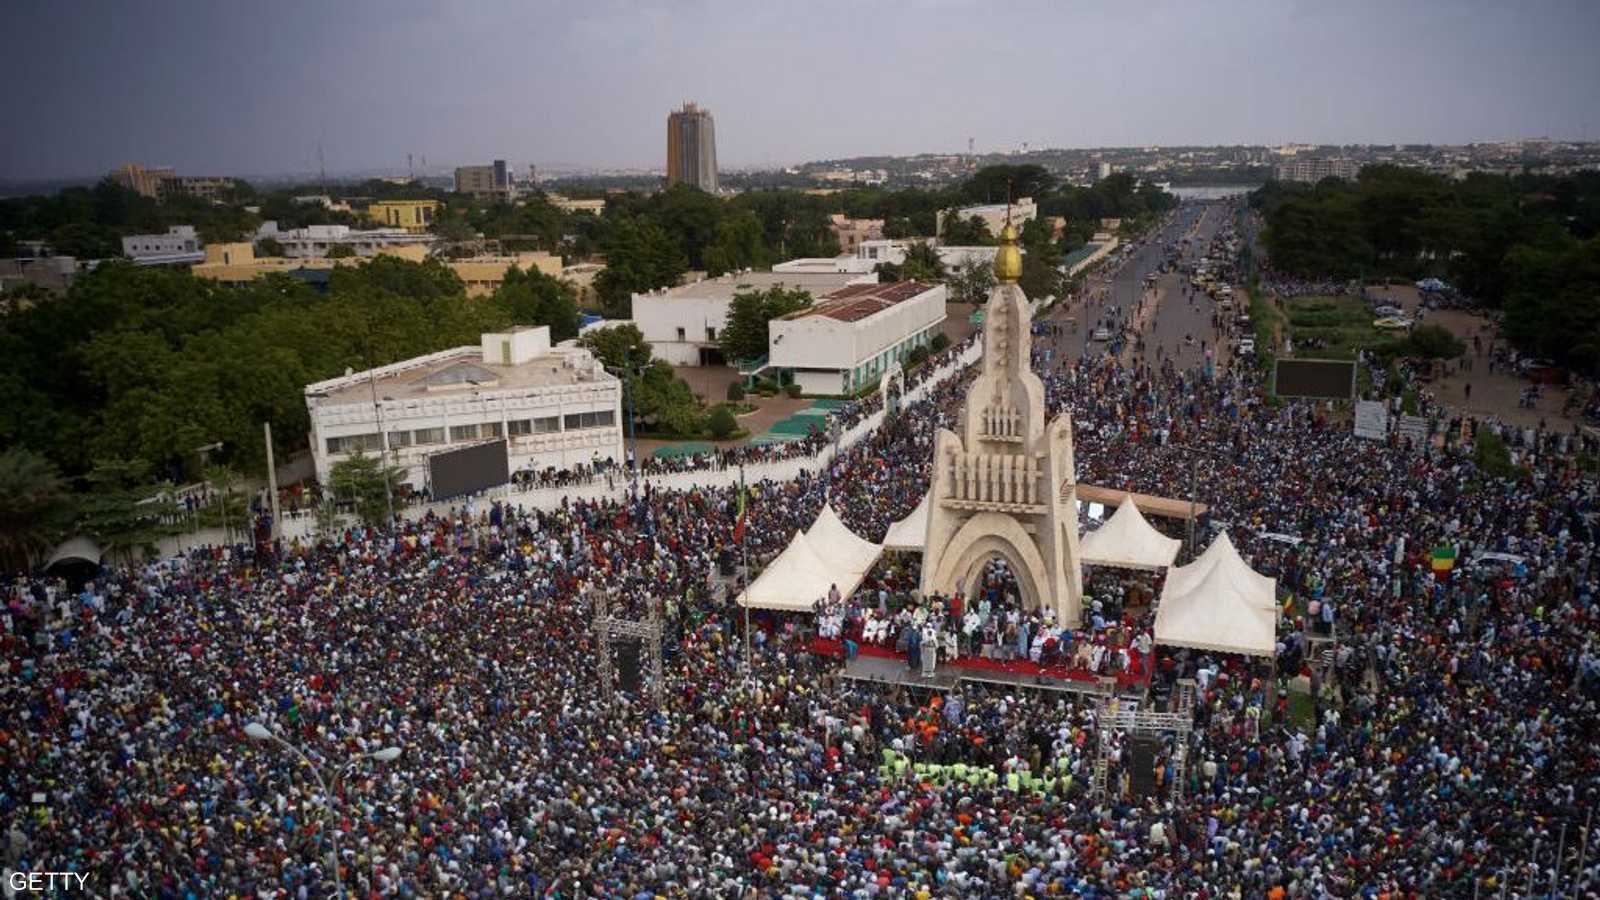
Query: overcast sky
[[223, 87]]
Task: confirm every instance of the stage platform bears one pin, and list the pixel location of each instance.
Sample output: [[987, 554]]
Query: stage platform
[[881, 667]]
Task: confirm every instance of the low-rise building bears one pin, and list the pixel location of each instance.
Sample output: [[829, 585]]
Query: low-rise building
[[179, 246], [682, 323], [851, 232], [162, 183], [554, 406], [237, 263], [1312, 169], [317, 240], [567, 204], [846, 341], [869, 255], [995, 215], [414, 216]]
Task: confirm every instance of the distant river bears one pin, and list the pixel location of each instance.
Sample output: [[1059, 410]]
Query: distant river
[[1211, 191]]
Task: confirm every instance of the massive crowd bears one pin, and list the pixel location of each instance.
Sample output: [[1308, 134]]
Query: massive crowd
[[1453, 745]]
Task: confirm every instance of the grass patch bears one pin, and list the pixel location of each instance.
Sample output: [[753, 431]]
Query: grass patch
[[1331, 327], [1301, 713]]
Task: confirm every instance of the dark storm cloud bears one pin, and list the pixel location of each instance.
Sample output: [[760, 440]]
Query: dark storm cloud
[[224, 87]]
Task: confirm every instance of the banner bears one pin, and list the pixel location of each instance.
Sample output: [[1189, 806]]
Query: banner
[[1413, 427], [1372, 420]]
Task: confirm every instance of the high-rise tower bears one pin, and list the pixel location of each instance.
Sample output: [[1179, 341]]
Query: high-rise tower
[[692, 148]]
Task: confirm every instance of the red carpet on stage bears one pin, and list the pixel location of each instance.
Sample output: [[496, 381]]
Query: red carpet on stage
[[835, 649]]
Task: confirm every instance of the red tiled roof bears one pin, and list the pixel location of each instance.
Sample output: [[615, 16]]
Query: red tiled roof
[[858, 301]]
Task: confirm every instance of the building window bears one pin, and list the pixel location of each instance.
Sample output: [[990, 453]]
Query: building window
[[463, 433], [711, 333], [547, 425], [599, 419], [424, 436], [355, 443], [489, 430], [519, 427], [682, 335], [399, 439]]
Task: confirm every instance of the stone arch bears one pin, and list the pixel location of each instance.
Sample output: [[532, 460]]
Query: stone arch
[[980, 539]]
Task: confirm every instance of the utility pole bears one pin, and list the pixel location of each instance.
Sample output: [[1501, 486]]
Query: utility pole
[[383, 436]]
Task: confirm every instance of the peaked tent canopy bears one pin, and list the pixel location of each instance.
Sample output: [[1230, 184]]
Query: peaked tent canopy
[[76, 550], [910, 533], [794, 580], [846, 553], [1128, 541], [1218, 603]]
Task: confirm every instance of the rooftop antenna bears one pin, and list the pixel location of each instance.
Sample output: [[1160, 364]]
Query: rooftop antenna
[[410, 172], [322, 167]]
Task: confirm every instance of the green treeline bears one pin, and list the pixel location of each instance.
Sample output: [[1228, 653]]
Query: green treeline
[[1523, 244]]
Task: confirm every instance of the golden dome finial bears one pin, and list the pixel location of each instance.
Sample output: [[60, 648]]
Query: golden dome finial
[[1008, 259]]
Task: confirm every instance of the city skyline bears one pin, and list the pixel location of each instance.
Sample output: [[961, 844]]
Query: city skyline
[[369, 84]]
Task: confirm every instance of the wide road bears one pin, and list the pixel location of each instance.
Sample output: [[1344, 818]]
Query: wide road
[[1181, 311]]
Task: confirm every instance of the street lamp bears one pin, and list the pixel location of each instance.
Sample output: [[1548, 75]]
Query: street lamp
[[256, 731], [1194, 464]]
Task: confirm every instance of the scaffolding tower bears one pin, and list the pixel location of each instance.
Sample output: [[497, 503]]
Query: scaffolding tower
[[609, 629], [1111, 716]]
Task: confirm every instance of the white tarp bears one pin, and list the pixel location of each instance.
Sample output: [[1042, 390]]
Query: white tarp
[[795, 580], [1128, 541], [845, 552], [1219, 603], [1372, 420], [910, 533]]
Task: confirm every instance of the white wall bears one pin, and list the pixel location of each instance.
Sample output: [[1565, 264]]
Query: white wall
[[660, 315], [817, 341]]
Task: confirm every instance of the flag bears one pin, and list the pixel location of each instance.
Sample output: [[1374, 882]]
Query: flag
[[1444, 558], [743, 514]]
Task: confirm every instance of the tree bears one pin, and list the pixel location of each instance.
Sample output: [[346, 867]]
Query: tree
[[972, 282], [33, 503], [969, 232], [739, 244], [922, 263], [663, 402], [123, 512], [721, 423], [744, 335], [269, 247], [341, 251], [1433, 342], [640, 257], [997, 184], [364, 481], [617, 346], [534, 298]]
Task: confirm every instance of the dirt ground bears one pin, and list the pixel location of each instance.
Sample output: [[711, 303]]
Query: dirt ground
[[1493, 394]]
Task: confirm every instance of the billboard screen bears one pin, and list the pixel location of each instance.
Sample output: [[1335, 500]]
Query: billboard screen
[[468, 470], [1317, 379]]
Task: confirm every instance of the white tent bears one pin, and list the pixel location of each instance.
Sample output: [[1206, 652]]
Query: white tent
[[78, 549], [847, 554], [910, 533], [1219, 603], [1260, 589], [1128, 541], [795, 580]]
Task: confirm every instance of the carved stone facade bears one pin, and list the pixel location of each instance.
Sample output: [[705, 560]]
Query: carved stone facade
[[1005, 486]]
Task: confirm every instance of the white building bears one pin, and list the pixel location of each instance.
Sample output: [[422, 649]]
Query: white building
[[179, 246], [869, 254], [682, 323], [556, 406], [994, 214], [846, 340], [317, 240]]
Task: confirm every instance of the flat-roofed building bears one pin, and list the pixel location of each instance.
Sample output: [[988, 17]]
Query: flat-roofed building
[[554, 406], [318, 240], [846, 340], [237, 263], [413, 215], [491, 182], [180, 245], [994, 215], [682, 323]]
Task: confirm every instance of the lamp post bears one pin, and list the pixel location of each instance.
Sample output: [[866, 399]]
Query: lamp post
[[1195, 453], [624, 373], [256, 731]]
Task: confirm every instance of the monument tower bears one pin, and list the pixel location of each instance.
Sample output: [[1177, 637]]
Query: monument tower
[[1006, 485]]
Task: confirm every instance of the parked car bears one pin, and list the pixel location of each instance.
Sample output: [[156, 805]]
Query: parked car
[[1385, 312]]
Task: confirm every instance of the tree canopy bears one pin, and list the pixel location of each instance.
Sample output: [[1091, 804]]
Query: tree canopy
[[744, 336]]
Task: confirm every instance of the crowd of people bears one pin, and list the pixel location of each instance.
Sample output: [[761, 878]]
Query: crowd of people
[[1446, 752]]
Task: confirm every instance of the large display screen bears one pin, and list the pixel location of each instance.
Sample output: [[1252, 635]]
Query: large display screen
[[468, 470], [1320, 379]]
